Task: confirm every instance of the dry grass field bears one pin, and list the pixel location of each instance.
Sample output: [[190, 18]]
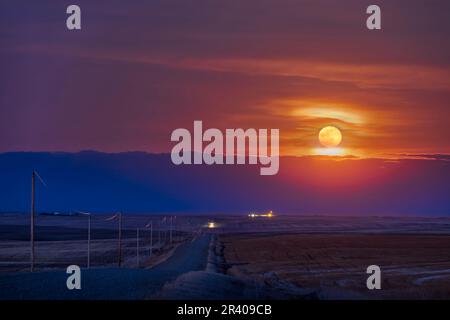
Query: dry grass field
[[413, 266]]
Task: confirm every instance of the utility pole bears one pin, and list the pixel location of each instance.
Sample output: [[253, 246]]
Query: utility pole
[[171, 220], [150, 225], [34, 174], [159, 232], [151, 238], [33, 177], [164, 230], [175, 232], [137, 247], [120, 240], [89, 242]]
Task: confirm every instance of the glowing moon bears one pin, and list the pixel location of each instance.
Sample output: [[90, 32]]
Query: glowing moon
[[330, 137]]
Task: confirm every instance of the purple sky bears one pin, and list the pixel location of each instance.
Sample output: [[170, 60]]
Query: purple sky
[[139, 69]]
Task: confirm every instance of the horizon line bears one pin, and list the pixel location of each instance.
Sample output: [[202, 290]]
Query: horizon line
[[387, 156]]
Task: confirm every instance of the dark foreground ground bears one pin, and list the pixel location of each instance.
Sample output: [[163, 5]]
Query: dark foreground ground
[[414, 266]]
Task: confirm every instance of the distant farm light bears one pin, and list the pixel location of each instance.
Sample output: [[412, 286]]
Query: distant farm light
[[269, 214], [211, 225]]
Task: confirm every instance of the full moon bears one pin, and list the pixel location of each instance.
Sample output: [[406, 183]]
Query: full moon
[[330, 137]]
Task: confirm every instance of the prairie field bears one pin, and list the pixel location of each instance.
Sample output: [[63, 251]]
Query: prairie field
[[412, 266]]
